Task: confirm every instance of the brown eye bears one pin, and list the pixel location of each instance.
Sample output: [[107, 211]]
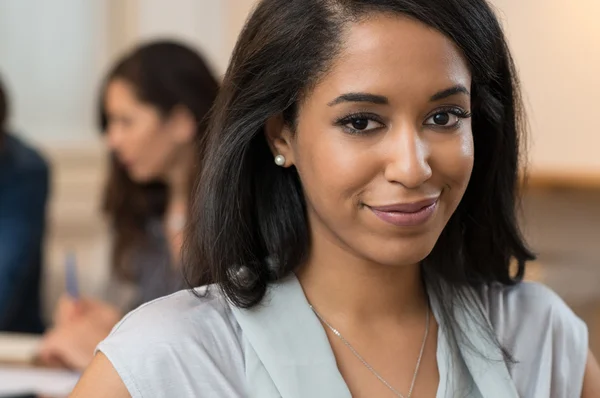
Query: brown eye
[[360, 123], [447, 117], [443, 119]]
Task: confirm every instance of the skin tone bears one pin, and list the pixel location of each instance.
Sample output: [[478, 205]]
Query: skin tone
[[398, 147], [151, 147], [390, 124]]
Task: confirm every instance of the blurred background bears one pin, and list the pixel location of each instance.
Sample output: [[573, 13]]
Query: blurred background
[[53, 56]]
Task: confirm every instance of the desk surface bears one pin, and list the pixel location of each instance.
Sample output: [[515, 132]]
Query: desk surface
[[19, 376], [18, 348], [20, 380]]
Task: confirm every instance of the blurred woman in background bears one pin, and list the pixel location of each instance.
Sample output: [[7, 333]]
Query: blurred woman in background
[[153, 112]]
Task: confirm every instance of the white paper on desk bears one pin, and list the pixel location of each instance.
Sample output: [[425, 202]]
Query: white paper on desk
[[51, 382], [16, 347]]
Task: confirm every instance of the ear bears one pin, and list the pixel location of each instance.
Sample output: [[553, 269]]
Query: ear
[[182, 124], [280, 139]]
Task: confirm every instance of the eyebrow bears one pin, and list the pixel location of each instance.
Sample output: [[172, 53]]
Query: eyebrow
[[383, 100], [449, 92], [360, 97]]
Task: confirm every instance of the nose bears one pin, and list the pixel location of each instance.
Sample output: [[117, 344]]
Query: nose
[[407, 160], [113, 136]]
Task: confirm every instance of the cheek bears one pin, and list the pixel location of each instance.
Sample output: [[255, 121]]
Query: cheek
[[329, 165], [465, 157], [142, 142], [151, 148], [453, 162], [158, 148]]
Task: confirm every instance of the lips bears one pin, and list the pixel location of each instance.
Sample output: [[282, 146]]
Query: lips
[[406, 214], [406, 207]]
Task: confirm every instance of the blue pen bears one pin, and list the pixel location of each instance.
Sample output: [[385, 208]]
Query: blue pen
[[71, 276]]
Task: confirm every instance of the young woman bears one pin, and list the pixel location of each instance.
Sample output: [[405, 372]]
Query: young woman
[[154, 108], [357, 215]]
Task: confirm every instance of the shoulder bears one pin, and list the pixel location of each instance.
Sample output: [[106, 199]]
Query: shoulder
[[524, 296], [26, 172], [25, 175], [202, 308], [177, 344], [24, 158], [547, 340], [527, 303]]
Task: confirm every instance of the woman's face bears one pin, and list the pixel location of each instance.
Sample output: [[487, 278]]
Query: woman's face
[[144, 141], [383, 144]]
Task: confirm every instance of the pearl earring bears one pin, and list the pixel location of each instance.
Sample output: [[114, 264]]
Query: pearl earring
[[279, 160]]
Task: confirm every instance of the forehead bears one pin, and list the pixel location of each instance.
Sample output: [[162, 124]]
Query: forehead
[[120, 91], [397, 57]]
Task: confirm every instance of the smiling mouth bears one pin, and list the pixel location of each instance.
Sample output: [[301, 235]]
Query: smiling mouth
[[407, 214]]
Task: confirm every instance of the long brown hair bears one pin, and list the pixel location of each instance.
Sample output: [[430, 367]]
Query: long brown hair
[[164, 75]]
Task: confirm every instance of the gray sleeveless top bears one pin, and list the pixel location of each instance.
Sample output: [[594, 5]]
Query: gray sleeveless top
[[184, 346], [154, 274]]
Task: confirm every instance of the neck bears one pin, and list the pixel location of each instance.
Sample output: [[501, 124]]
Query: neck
[[178, 177], [341, 285]]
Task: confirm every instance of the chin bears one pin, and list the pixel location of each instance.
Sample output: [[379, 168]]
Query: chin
[[405, 259], [140, 177], [394, 253]]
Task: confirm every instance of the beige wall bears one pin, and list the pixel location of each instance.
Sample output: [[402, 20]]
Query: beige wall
[[199, 23], [237, 12], [211, 26], [556, 45]]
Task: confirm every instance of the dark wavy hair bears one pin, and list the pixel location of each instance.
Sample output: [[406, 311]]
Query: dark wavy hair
[[247, 210], [164, 74]]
